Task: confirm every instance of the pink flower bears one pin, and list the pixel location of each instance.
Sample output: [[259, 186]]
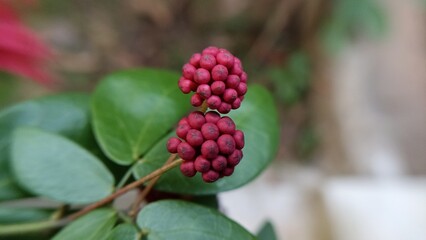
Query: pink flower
[[21, 51]]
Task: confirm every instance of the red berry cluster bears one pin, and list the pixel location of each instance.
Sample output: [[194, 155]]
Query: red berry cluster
[[216, 76], [208, 144]]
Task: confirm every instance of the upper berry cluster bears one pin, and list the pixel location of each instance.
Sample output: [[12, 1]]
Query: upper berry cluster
[[216, 76]]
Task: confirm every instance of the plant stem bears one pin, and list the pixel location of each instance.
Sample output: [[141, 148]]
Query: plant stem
[[125, 177], [123, 190], [203, 107], [147, 189], [23, 228]]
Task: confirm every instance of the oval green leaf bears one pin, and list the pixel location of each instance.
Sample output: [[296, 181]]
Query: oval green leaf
[[95, 225], [19, 215], [50, 165], [257, 117], [65, 114], [124, 231], [8, 187], [179, 220], [134, 109]]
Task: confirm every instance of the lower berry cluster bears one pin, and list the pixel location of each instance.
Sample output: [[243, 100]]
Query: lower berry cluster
[[209, 144]]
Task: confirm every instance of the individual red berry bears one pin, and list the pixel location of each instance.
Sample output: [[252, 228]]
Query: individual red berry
[[232, 81], [242, 89], [187, 168], [230, 95], [243, 77], [236, 103], [195, 60], [183, 121], [173, 143], [204, 91], [201, 164], [194, 137], [186, 151], [228, 171], [224, 108], [239, 139], [226, 144], [188, 71], [235, 158], [219, 163], [210, 131], [185, 85], [182, 130], [212, 117], [219, 73], [237, 61], [218, 87], [196, 100], [196, 119], [210, 176], [211, 50], [209, 149], [223, 50], [237, 69], [207, 61], [194, 86], [226, 125], [226, 59], [202, 76], [214, 102]]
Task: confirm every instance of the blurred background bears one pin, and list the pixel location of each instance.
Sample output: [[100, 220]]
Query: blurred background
[[348, 77]]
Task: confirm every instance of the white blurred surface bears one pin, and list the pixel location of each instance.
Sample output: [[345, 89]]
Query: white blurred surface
[[302, 205], [366, 209], [287, 204]]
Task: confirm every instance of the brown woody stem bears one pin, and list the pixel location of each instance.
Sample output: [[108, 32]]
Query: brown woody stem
[[123, 190], [147, 189]]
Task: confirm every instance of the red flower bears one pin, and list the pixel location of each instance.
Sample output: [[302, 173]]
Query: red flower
[[21, 51]]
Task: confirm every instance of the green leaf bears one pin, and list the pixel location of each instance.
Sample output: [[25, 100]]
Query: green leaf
[[53, 166], [95, 225], [206, 200], [134, 109], [124, 231], [18, 215], [177, 220], [267, 232], [257, 117], [66, 114], [8, 187]]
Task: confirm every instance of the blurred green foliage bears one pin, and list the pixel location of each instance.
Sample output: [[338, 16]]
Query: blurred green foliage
[[350, 17], [8, 88], [291, 81], [307, 142]]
